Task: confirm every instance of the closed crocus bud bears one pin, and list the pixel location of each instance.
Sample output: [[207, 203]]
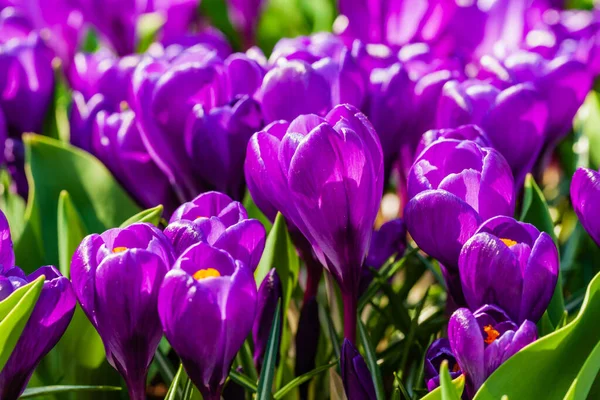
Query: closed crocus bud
[[525, 259], [207, 306], [116, 277], [482, 340], [514, 119], [438, 352], [325, 175], [585, 189], [463, 132], [356, 377], [269, 294], [453, 185], [217, 220], [48, 321], [27, 83], [307, 340], [117, 142]]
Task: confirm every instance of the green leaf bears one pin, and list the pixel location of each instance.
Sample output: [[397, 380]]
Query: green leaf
[[587, 121], [535, 211], [81, 345], [458, 383], [151, 215], [555, 361], [254, 212], [449, 391], [243, 381], [53, 166], [71, 232], [280, 254], [176, 383], [12, 205], [247, 362], [51, 390], [301, 379], [371, 358], [585, 378], [56, 123], [15, 311], [267, 372]]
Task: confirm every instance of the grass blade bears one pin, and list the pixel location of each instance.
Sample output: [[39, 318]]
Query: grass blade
[[371, 361], [301, 379], [52, 390], [267, 372]]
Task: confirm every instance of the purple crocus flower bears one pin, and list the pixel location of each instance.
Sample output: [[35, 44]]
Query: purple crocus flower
[[7, 255], [463, 132], [438, 352], [48, 321], [325, 175], [585, 189], [453, 186], [196, 116], [27, 77], [514, 119], [525, 259], [269, 294], [221, 222], [116, 277], [207, 305], [356, 377], [244, 16], [482, 340], [310, 75]]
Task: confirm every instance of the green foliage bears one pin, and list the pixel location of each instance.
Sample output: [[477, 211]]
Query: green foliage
[[15, 311], [267, 372], [98, 198], [64, 389], [567, 361]]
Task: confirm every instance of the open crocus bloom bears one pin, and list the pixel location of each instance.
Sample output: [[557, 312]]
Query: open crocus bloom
[[438, 352], [484, 339]]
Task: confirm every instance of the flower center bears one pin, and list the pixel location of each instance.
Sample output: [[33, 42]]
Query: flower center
[[119, 249], [456, 368], [508, 242], [206, 273], [491, 333]]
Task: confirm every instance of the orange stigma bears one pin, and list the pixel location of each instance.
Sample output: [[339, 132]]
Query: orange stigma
[[491, 333], [206, 273], [456, 368], [119, 249], [508, 242]]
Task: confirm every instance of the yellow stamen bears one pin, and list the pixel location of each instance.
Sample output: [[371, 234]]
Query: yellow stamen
[[119, 249], [206, 273], [508, 242], [491, 333]]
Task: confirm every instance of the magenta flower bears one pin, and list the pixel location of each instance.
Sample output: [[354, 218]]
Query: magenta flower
[[585, 189]]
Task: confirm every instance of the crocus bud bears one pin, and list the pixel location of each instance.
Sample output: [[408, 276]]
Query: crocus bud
[[116, 277], [585, 189], [438, 352], [307, 340], [356, 377], [335, 205], [482, 340], [269, 294], [463, 132], [453, 185], [48, 321], [510, 264], [514, 119], [221, 222], [207, 306]]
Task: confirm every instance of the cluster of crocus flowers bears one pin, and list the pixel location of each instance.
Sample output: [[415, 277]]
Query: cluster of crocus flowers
[[136, 283], [48, 321]]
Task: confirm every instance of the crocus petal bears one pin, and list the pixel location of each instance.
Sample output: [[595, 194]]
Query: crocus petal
[[585, 190], [245, 241], [526, 334], [466, 342], [7, 255], [539, 278], [440, 223]]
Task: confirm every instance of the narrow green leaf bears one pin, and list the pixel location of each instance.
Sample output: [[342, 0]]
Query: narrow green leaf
[[71, 232], [448, 389], [151, 215], [12, 205], [267, 372], [15, 311], [58, 389], [175, 384], [243, 381], [371, 359], [535, 211], [247, 362], [556, 360], [325, 315], [164, 365], [458, 383], [301, 379]]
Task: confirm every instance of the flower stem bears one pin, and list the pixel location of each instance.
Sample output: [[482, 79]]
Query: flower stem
[[137, 388], [350, 315]]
